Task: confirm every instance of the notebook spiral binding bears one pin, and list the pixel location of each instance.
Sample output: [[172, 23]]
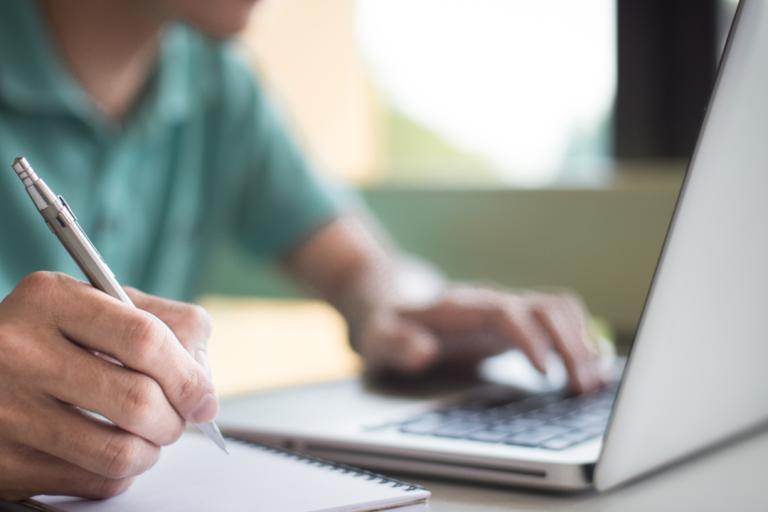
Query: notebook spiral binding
[[332, 466]]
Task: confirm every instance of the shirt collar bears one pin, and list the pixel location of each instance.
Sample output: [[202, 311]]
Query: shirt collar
[[34, 79]]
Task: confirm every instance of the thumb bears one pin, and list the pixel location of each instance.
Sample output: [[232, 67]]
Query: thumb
[[405, 347]]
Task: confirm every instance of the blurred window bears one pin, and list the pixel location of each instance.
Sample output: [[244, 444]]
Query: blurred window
[[517, 91], [489, 92], [470, 92]]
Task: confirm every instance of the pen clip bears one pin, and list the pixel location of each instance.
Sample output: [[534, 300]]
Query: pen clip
[[66, 205]]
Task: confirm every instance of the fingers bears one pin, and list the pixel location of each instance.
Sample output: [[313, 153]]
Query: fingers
[[474, 323], [515, 324], [145, 344], [134, 402], [83, 441], [484, 323], [136, 338], [29, 473], [565, 323], [50, 325], [574, 308]]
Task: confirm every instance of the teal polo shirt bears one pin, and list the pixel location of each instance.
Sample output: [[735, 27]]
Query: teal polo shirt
[[202, 159]]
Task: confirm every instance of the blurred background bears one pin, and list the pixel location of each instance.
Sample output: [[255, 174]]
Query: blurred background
[[518, 142]]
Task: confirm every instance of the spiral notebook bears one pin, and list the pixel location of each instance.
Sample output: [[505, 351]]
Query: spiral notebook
[[193, 475]]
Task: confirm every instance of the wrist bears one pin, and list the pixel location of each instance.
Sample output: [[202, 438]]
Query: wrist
[[382, 290]]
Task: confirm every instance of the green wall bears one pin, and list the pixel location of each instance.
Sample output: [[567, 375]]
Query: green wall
[[601, 241]]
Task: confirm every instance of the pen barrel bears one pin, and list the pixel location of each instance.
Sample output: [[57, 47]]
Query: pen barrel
[[80, 248]]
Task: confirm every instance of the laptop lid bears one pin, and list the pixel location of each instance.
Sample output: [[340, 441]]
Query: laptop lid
[[698, 371]]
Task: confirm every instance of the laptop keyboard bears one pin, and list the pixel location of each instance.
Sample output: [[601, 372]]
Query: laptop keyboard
[[552, 421]]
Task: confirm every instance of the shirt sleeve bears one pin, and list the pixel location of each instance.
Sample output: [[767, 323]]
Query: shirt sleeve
[[279, 200]]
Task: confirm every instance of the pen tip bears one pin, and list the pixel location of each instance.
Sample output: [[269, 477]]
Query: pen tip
[[212, 432]]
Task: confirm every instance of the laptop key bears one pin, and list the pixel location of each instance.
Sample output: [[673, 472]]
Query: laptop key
[[457, 413], [456, 429], [488, 436], [515, 425], [568, 439], [558, 443], [581, 421], [552, 421], [536, 436], [423, 425]]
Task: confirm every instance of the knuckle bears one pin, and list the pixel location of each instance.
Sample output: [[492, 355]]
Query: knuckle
[[200, 319], [192, 387], [144, 335], [40, 282], [138, 401], [39, 278], [537, 306], [502, 316], [121, 456], [542, 310], [557, 302], [561, 302]]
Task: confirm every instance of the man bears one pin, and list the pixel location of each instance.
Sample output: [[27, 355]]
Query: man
[[165, 144]]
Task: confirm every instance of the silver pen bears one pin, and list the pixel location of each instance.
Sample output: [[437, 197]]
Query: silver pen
[[62, 222]]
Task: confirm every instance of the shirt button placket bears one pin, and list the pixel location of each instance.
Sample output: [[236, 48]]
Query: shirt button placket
[[111, 232]]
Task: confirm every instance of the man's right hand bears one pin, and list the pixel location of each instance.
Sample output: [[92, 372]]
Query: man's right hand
[[50, 327]]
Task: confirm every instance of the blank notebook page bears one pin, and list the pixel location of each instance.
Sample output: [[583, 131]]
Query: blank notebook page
[[194, 475]]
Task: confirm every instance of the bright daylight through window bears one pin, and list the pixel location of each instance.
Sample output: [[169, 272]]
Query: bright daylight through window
[[445, 92]]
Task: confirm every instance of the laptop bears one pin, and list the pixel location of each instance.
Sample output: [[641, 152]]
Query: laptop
[[697, 374]]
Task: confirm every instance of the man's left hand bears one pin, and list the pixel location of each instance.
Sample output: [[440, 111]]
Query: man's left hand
[[466, 325]]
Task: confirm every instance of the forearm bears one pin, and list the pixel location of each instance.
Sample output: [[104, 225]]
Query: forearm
[[354, 268]]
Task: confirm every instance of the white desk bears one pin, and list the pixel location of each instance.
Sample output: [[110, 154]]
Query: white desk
[[732, 477]]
